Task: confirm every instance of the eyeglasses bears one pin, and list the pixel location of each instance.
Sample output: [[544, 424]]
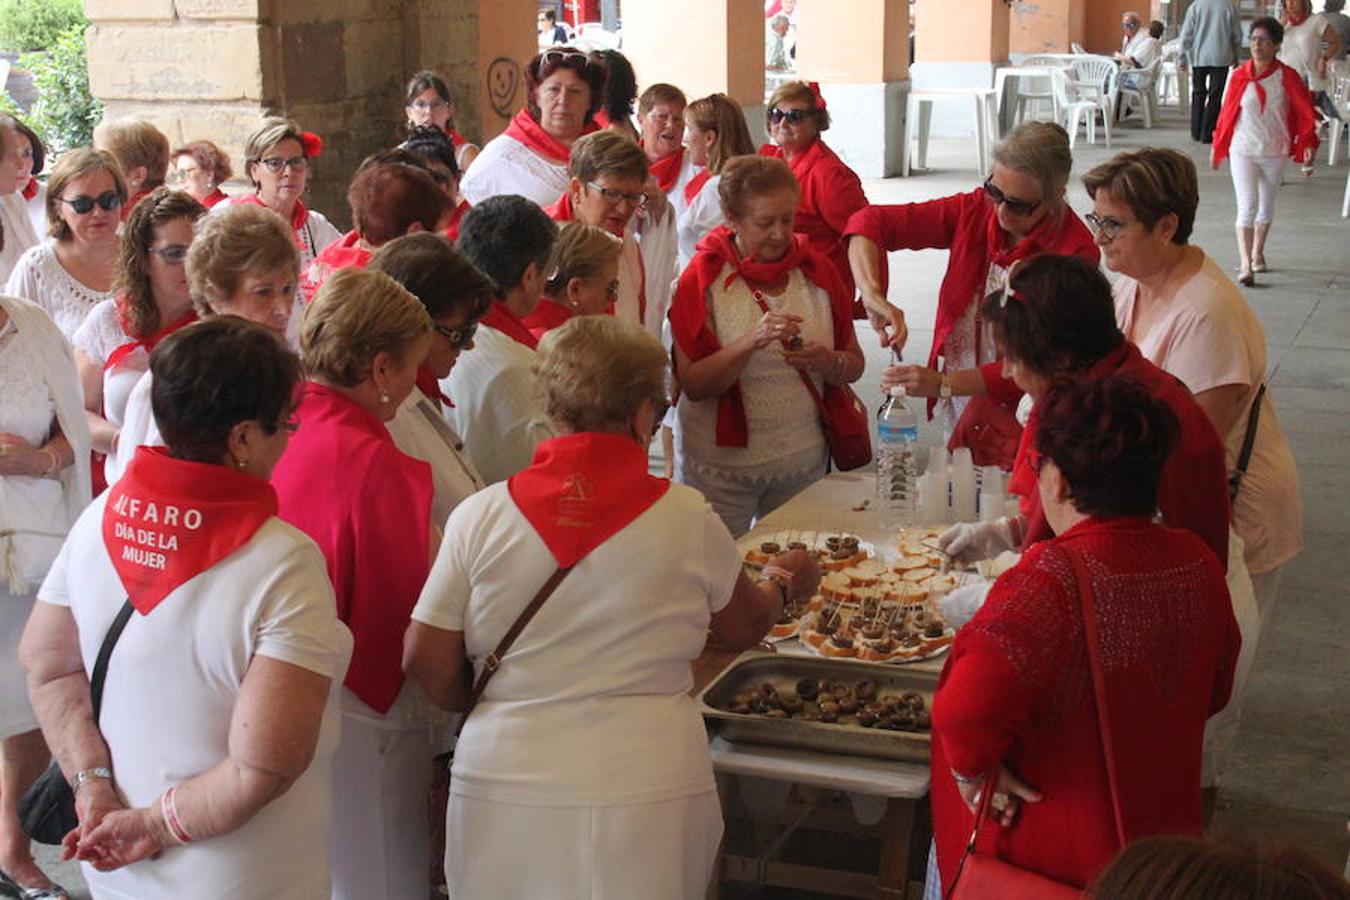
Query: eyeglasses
[[793, 116], [614, 198], [1015, 206], [1106, 226], [428, 105], [276, 163], [1131, 26], [457, 338], [84, 204], [177, 175], [612, 289], [174, 254], [1259, 39]]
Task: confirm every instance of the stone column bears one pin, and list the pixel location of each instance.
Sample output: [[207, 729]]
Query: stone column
[[701, 47], [862, 63], [1047, 26], [959, 44]]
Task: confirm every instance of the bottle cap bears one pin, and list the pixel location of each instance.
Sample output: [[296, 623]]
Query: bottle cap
[[898, 391]]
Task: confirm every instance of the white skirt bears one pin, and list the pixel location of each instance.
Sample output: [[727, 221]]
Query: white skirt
[[657, 851], [16, 715]]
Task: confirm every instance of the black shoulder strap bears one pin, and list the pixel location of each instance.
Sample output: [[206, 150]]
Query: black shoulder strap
[[1248, 444], [104, 652]]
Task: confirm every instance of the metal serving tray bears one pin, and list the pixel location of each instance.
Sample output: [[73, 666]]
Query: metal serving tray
[[783, 671]]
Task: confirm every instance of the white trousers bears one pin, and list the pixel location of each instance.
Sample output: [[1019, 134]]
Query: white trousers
[[1255, 179], [740, 503], [381, 844], [654, 851]]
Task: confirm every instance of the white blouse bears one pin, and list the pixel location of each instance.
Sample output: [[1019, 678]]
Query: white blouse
[[1262, 132], [506, 166], [39, 277], [419, 430], [18, 232], [702, 215], [97, 337]]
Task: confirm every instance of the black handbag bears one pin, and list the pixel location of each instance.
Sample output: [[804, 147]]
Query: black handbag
[[47, 810]]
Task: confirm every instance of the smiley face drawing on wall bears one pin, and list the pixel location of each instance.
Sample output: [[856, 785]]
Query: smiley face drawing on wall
[[503, 80]]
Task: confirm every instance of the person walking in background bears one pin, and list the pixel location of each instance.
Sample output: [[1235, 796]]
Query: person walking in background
[[1210, 35]]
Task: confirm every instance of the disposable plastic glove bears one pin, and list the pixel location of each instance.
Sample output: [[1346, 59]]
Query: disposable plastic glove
[[966, 542], [961, 604]]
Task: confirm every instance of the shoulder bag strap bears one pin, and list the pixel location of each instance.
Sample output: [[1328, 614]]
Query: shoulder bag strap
[[806, 379], [104, 652], [494, 659], [1248, 444], [1094, 647]]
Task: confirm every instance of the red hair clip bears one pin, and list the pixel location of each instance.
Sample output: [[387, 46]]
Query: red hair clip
[[815, 90], [312, 144]]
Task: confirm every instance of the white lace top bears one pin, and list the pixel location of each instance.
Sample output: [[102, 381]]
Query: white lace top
[[506, 166], [28, 411], [1258, 132], [97, 337], [970, 343], [783, 423], [40, 278]]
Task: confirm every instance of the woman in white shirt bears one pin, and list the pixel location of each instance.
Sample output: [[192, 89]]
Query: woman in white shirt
[[44, 483], [16, 231], [583, 770], [206, 774], [72, 272], [113, 345], [34, 193], [715, 132]]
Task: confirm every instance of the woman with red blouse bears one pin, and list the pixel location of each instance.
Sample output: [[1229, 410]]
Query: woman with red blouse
[[1016, 697], [831, 191], [368, 506]]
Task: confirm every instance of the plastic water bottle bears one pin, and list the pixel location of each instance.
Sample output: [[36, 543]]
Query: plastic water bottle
[[897, 440]]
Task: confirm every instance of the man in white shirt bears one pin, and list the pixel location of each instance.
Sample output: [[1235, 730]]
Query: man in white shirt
[[1140, 52], [492, 386]]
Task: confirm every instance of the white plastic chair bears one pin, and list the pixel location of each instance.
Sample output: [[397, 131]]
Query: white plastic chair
[[1077, 111], [1172, 79], [1078, 49], [1095, 78], [1340, 98], [1137, 91], [1032, 89]]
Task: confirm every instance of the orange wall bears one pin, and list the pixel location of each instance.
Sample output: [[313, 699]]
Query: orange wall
[[868, 46], [506, 42], [1047, 26], [1103, 23], [712, 45], [961, 30]]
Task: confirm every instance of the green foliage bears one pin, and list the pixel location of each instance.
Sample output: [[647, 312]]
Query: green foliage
[[27, 25], [65, 112]]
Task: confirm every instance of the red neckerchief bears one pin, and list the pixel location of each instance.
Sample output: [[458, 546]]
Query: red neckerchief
[[696, 184], [452, 227], [167, 520], [508, 323], [215, 197], [525, 129], [30, 189], [562, 209], [131, 202], [666, 170], [548, 315], [147, 343], [456, 139], [582, 489], [344, 253], [689, 311], [299, 215], [801, 163], [1245, 74], [1293, 21], [428, 384]]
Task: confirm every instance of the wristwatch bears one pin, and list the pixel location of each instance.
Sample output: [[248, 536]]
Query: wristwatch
[[88, 775], [945, 389]]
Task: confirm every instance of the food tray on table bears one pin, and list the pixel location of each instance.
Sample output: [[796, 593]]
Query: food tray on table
[[899, 726]]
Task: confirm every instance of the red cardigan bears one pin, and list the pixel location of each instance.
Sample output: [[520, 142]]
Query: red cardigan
[[1193, 493], [1017, 688], [1299, 115], [831, 194]]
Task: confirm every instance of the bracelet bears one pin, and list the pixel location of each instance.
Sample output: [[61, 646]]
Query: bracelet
[[779, 576], [962, 779], [169, 811], [56, 461], [89, 775]]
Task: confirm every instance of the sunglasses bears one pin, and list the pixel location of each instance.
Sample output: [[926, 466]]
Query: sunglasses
[[793, 116], [174, 254], [291, 424], [1015, 206], [548, 57], [276, 163], [614, 198], [84, 204], [457, 338]]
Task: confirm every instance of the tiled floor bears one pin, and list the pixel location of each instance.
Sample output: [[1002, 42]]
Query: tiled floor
[[1289, 780]]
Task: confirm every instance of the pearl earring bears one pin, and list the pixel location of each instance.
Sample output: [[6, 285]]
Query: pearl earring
[[384, 398], [241, 463]]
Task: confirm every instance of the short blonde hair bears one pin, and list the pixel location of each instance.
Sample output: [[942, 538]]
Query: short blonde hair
[[133, 143], [744, 177], [579, 252], [606, 153], [75, 164], [272, 130], [593, 372], [800, 90], [1039, 150], [356, 315], [237, 240]]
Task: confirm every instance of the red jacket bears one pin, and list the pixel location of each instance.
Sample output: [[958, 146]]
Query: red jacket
[[1017, 688], [1298, 112], [831, 194], [1193, 493]]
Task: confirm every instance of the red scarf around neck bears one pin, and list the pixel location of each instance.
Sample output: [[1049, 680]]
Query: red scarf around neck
[[428, 384], [562, 209], [666, 170], [168, 520], [508, 323], [689, 312], [146, 343], [582, 489], [525, 129], [452, 227], [801, 163], [30, 189], [696, 184], [548, 315], [299, 215]]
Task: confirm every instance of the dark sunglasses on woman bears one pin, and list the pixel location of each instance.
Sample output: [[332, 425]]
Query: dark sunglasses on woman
[[793, 116], [84, 204], [457, 338], [1015, 206]]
